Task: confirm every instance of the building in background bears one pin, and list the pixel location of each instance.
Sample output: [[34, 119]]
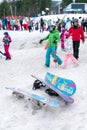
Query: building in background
[[56, 7], [76, 8]]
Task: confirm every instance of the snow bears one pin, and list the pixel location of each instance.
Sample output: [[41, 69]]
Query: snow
[[60, 16], [28, 58]]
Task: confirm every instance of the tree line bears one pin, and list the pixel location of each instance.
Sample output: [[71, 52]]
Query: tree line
[[29, 7], [23, 7]]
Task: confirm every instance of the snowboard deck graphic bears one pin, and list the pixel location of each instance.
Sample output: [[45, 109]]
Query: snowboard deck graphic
[[45, 101], [61, 94], [66, 86]]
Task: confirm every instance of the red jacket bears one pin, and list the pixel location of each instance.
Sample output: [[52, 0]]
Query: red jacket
[[77, 33]]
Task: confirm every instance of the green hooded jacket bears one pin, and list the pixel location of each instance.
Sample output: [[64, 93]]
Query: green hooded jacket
[[54, 35]]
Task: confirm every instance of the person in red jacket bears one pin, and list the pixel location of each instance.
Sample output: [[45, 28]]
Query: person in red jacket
[[77, 33]]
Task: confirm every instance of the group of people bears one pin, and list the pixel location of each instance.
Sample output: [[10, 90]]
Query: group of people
[[69, 39], [16, 23], [71, 47], [21, 23]]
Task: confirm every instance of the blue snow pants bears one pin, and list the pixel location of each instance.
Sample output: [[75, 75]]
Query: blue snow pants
[[51, 51]]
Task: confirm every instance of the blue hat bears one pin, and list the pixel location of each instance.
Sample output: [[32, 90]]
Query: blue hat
[[5, 33]]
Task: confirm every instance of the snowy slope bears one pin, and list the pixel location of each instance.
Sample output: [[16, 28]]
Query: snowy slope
[[28, 58]]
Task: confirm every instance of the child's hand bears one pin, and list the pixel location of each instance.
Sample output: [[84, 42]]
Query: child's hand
[[46, 46], [6, 39]]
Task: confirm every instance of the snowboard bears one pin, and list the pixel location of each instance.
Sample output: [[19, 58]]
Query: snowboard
[[66, 86], [2, 53], [45, 101], [65, 97]]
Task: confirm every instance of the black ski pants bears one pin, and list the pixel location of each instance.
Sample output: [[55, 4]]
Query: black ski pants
[[76, 45]]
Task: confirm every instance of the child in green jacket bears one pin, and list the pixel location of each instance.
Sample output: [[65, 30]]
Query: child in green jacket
[[53, 40]]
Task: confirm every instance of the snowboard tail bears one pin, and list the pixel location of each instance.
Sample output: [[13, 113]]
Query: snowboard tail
[[2, 53]]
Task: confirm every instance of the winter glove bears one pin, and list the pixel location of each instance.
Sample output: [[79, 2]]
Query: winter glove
[[40, 41], [82, 40], [54, 41]]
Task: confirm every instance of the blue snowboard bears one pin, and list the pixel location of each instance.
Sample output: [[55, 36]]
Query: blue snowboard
[[66, 86], [49, 102], [65, 97]]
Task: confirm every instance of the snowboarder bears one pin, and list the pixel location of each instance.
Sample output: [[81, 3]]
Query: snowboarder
[[77, 33], [53, 39], [7, 40]]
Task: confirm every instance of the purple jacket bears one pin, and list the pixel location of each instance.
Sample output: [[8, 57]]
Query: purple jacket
[[7, 40]]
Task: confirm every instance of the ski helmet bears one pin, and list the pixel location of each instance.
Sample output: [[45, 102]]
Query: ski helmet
[[75, 20], [53, 26]]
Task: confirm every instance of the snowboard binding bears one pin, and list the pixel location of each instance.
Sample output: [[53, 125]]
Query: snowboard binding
[[51, 92], [38, 84], [18, 95]]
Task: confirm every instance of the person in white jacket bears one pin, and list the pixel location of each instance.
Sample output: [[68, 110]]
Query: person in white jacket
[[68, 51]]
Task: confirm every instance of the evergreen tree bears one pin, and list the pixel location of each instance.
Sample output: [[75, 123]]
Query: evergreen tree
[[4, 9], [31, 7], [24, 7]]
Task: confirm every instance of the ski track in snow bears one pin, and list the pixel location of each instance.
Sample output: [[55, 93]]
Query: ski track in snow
[[28, 58]]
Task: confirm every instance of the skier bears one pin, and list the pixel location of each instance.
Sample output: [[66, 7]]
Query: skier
[[68, 51], [7, 40], [53, 39], [77, 33]]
